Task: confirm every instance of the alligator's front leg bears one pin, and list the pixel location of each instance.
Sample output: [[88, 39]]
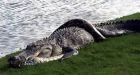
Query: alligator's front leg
[[38, 57], [67, 52]]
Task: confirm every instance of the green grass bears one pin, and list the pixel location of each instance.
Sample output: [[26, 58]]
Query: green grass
[[114, 56], [132, 16]]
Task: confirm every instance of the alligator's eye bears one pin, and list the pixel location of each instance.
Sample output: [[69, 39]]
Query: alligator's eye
[[48, 48]]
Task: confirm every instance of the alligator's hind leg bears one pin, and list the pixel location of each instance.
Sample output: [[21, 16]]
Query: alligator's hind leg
[[34, 58]]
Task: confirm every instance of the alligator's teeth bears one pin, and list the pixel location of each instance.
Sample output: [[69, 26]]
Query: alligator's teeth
[[41, 60], [51, 59], [56, 58]]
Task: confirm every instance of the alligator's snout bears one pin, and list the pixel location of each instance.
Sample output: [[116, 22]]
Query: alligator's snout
[[15, 62]]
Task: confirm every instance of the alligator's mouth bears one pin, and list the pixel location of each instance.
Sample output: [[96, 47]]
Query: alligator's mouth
[[18, 62]]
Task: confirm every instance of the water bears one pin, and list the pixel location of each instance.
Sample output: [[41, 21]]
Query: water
[[25, 21]]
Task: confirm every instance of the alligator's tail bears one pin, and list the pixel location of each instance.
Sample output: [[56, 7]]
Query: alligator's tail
[[84, 25], [115, 28]]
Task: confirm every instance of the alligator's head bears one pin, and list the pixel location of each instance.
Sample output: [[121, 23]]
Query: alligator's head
[[19, 60], [25, 57], [38, 49]]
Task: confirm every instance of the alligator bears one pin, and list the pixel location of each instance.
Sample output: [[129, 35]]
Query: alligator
[[66, 40]]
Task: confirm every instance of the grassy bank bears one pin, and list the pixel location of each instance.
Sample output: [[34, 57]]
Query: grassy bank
[[132, 16], [114, 56]]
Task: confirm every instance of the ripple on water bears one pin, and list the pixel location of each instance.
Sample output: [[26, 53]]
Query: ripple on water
[[24, 21]]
